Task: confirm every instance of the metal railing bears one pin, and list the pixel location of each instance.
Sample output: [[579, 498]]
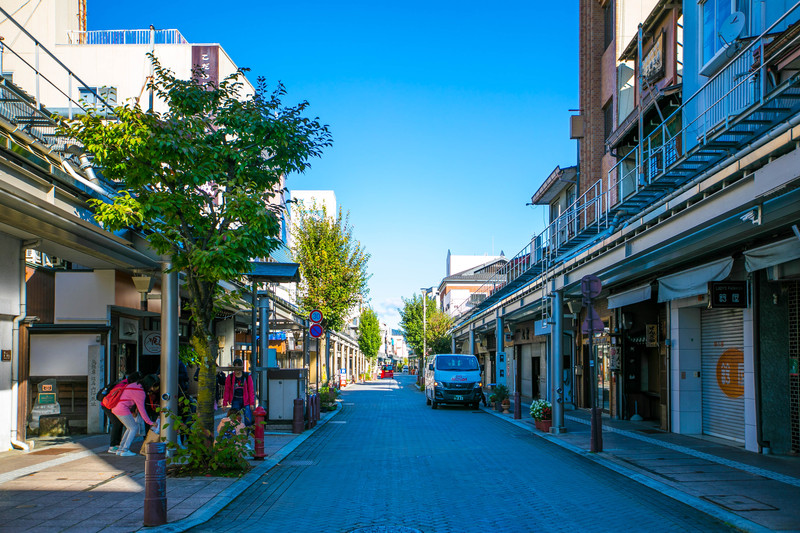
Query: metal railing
[[119, 37], [706, 115], [34, 65], [702, 119]]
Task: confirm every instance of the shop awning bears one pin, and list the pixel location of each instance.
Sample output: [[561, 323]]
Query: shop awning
[[772, 254], [629, 297], [693, 281]]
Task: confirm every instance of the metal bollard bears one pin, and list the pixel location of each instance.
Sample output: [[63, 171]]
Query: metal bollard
[[258, 433], [314, 415], [297, 418], [155, 484]]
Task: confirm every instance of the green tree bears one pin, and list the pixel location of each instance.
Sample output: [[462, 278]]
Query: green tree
[[333, 265], [200, 180], [437, 326], [369, 334]]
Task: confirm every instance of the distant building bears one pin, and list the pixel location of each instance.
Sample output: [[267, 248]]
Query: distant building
[[467, 281]]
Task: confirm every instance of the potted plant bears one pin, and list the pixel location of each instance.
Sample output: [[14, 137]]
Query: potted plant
[[542, 413], [502, 397], [492, 400]]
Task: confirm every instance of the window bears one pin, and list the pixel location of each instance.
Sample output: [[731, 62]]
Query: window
[[88, 95], [714, 14], [608, 24]]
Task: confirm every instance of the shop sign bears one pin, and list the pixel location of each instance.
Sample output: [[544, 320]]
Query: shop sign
[[651, 336], [614, 357], [653, 62], [728, 294]]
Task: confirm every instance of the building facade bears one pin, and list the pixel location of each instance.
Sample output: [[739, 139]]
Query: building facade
[[687, 211]]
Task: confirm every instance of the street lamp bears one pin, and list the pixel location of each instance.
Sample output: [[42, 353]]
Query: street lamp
[[425, 291]]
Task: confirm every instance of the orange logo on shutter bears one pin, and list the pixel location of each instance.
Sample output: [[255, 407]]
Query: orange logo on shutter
[[730, 372]]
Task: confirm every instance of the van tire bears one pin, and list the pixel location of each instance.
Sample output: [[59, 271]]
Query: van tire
[[434, 405]]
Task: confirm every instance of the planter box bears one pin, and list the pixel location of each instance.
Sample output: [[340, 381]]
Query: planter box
[[543, 425]]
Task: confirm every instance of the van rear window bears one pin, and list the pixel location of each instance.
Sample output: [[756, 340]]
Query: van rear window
[[456, 362]]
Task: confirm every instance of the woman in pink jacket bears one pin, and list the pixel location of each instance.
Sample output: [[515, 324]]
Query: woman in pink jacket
[[239, 392], [132, 400]]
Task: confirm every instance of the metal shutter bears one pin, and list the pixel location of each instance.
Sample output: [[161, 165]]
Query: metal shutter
[[723, 373]]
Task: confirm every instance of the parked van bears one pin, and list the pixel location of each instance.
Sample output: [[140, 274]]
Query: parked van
[[454, 379]]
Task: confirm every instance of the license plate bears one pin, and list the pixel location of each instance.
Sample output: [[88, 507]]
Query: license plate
[[458, 397]]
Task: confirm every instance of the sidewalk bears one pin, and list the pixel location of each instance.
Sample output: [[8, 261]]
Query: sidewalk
[[751, 491], [74, 485]]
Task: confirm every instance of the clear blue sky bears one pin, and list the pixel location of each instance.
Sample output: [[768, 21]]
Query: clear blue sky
[[446, 115]]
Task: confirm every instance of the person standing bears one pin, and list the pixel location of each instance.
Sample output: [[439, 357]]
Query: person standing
[[115, 433], [133, 400], [239, 392]]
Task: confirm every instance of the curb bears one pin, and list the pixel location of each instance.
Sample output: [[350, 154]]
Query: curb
[[602, 460], [221, 500]]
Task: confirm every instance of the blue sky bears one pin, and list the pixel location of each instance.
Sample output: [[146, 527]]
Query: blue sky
[[446, 115]]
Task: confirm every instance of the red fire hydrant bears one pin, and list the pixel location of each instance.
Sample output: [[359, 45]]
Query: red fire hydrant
[[258, 434]]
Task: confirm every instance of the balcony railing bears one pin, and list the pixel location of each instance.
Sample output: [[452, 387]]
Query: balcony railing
[[743, 101], [118, 37], [40, 72]]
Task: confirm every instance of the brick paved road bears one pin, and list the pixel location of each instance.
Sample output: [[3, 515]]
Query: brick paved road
[[389, 461]]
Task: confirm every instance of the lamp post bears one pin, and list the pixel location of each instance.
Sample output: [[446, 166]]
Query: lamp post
[[425, 291]]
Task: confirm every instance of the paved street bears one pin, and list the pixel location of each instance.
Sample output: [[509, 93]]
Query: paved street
[[388, 461]]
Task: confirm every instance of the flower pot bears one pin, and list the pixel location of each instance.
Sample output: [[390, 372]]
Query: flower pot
[[506, 404], [543, 425]]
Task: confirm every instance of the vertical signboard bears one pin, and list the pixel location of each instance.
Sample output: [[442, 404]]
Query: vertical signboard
[[206, 57]]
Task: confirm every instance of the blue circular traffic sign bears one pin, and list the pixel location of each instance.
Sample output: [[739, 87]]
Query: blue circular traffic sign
[[315, 316], [315, 330]]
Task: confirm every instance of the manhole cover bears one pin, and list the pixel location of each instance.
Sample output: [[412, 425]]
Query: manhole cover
[[739, 503], [56, 451], [386, 529]]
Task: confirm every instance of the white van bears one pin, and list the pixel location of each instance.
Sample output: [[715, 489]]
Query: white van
[[452, 378]]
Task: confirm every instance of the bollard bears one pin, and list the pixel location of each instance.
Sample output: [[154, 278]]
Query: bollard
[[155, 484], [258, 434], [297, 419]]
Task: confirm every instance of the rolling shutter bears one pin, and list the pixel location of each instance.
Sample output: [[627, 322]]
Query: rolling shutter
[[723, 373]]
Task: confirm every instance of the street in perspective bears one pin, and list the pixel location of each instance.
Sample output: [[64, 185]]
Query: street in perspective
[[389, 461], [412, 267]]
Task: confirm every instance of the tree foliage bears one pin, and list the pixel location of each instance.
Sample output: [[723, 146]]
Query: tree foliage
[[200, 180], [437, 325], [369, 334], [333, 264]]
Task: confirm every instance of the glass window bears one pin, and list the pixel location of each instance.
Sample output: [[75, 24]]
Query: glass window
[[714, 14], [456, 362], [88, 95], [608, 23]]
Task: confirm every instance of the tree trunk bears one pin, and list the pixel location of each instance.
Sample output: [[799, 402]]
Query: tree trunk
[[206, 348]]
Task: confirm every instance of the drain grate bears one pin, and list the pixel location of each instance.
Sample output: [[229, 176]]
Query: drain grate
[[385, 529], [650, 431], [739, 503], [299, 462], [57, 451]]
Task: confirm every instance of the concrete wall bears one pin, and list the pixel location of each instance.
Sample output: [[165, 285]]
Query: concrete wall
[[84, 296], [9, 308]]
